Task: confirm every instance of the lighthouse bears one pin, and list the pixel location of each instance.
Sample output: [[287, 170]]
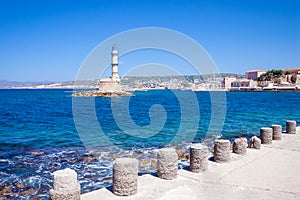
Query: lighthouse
[[114, 64], [113, 83]]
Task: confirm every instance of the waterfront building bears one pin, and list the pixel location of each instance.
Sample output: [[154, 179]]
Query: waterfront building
[[291, 70], [227, 80], [253, 74], [248, 83], [112, 83]]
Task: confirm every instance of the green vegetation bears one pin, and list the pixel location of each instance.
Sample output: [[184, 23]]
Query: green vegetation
[[273, 72], [270, 75]]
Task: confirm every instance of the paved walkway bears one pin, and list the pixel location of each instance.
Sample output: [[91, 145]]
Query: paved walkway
[[269, 173]]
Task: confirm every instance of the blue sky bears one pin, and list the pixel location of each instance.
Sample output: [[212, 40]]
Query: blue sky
[[48, 40]]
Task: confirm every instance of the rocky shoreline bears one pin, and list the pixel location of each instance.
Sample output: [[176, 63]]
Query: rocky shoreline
[[98, 93]]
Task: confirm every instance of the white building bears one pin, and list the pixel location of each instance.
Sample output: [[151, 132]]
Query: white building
[[226, 83], [253, 74]]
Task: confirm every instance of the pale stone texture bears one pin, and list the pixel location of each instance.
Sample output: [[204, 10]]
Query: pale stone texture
[[240, 146], [125, 175], [198, 158], [266, 135], [222, 151], [290, 127], [254, 142], [277, 130], [167, 163], [65, 185]]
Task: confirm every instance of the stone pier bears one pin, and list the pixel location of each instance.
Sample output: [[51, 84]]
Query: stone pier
[[65, 185]]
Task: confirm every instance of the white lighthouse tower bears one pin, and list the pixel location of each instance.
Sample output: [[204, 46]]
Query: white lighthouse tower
[[113, 83], [114, 64]]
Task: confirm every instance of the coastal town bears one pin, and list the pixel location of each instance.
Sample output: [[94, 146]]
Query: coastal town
[[255, 80], [287, 79]]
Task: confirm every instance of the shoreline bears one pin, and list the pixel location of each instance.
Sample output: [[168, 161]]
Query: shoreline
[[149, 89]]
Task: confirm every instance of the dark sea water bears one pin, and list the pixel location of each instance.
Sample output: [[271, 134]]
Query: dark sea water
[[38, 133]]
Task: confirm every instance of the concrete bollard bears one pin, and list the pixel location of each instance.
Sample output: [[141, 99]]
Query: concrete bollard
[[65, 185], [222, 151], [277, 130], [198, 158], [125, 176], [240, 145], [167, 163], [266, 135], [290, 127], [254, 142]]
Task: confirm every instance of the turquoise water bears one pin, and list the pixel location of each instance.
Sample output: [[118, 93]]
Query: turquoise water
[[42, 121]]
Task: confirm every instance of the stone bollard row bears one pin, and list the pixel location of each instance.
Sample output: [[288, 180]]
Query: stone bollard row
[[65, 186], [239, 145], [277, 130], [125, 176], [290, 127], [198, 158], [167, 163], [222, 151], [266, 135]]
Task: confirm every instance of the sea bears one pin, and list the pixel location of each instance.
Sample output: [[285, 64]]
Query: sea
[[44, 130]]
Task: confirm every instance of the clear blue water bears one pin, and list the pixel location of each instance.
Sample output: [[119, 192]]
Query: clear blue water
[[42, 121]]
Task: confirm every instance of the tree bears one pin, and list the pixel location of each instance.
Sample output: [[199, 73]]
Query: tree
[[269, 75]]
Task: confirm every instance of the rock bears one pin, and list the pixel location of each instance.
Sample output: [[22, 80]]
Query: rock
[[37, 153], [98, 93], [89, 159], [115, 156], [5, 191], [153, 164], [182, 155], [167, 163], [20, 185], [240, 146], [222, 151], [107, 180], [125, 175], [73, 160], [255, 142], [27, 192], [136, 154], [144, 162]]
